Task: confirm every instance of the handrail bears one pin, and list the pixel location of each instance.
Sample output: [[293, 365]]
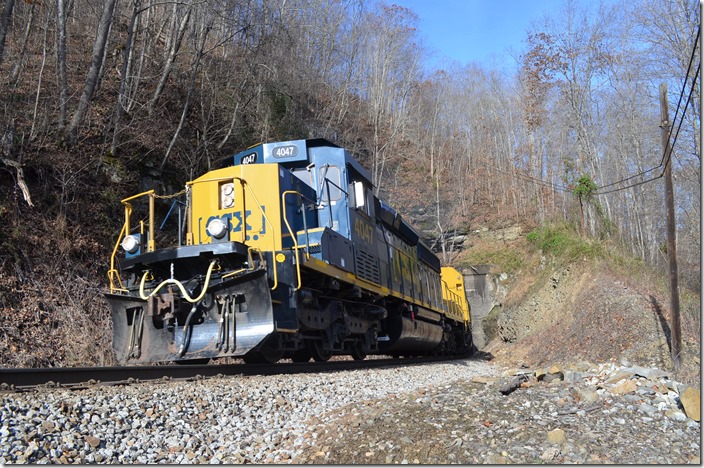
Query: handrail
[[151, 242], [113, 273], [151, 245], [244, 183], [250, 262], [296, 247], [453, 301]]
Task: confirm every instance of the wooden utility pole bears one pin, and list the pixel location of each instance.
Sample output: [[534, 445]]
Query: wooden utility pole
[[671, 244]]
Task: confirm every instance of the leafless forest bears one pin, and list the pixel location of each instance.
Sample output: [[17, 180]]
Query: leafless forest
[[102, 98]]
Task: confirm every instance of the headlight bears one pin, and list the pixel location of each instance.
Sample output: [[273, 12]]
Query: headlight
[[130, 244], [227, 195], [217, 228]]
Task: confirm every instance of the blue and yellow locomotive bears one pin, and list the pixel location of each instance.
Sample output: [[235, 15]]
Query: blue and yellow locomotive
[[284, 252]]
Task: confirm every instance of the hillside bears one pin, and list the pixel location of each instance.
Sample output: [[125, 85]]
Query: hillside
[[558, 299]]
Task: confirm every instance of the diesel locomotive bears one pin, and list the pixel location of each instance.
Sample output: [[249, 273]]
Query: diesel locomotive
[[282, 252]]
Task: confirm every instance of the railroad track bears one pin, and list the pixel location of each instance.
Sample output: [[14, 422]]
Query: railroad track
[[18, 380]]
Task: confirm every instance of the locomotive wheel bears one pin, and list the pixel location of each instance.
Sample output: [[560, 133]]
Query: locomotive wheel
[[319, 354], [302, 355], [266, 354], [358, 353]]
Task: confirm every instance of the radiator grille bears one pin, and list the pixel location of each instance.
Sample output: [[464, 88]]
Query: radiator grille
[[367, 266]]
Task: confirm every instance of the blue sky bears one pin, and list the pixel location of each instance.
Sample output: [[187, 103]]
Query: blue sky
[[482, 31]]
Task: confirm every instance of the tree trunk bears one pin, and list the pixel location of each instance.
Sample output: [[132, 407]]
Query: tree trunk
[[5, 24], [61, 61], [194, 74], [175, 46], [14, 76], [101, 39], [127, 54]]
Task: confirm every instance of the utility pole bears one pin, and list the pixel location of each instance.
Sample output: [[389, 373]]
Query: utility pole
[[671, 245]]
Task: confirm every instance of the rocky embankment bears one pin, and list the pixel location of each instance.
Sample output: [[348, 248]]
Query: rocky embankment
[[584, 414]]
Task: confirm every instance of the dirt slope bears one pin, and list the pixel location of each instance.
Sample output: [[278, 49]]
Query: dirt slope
[[591, 313]]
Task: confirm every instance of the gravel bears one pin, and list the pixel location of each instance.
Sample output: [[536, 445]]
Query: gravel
[[466, 411], [260, 419]]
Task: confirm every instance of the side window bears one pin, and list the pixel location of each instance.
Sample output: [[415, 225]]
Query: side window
[[363, 197], [330, 183], [304, 175]]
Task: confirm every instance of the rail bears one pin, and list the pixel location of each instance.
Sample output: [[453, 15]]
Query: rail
[[297, 247], [151, 243]]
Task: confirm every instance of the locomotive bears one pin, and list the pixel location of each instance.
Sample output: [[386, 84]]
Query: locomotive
[[282, 252]]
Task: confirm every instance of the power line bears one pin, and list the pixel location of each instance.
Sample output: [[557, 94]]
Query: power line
[[671, 146], [679, 102], [515, 173]]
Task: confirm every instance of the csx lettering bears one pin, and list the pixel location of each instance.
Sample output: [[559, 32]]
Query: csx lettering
[[256, 222], [363, 230]]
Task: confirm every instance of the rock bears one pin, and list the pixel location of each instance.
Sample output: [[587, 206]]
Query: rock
[[573, 376], [484, 380], [690, 399], [647, 372], [550, 454], [507, 386], [493, 459], [627, 386], [618, 376], [647, 409], [556, 436], [586, 395], [92, 441], [49, 426]]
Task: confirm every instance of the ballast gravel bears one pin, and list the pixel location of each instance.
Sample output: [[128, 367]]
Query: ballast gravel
[[234, 419]]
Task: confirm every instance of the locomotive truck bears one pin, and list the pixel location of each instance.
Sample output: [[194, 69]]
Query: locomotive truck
[[283, 252]]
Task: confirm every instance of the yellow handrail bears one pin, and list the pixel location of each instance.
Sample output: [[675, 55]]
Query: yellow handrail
[[250, 262], [151, 243], [113, 273], [296, 247]]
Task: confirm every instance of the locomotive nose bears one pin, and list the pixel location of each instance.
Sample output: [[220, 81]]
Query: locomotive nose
[[231, 319]]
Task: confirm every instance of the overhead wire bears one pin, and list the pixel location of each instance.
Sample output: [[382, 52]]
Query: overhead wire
[[666, 153], [528, 178]]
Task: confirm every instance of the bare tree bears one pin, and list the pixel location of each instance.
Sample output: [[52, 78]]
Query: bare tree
[[61, 61], [4, 24], [124, 75], [14, 75], [175, 45], [199, 52], [93, 72]]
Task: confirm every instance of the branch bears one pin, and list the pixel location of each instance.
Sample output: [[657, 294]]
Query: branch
[[20, 179]]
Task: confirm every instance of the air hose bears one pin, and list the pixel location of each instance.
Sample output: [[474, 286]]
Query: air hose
[[172, 280]]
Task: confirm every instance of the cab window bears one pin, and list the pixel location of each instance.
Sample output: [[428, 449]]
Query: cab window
[[330, 177]]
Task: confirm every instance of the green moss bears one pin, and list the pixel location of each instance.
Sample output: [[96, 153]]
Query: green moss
[[563, 242]]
